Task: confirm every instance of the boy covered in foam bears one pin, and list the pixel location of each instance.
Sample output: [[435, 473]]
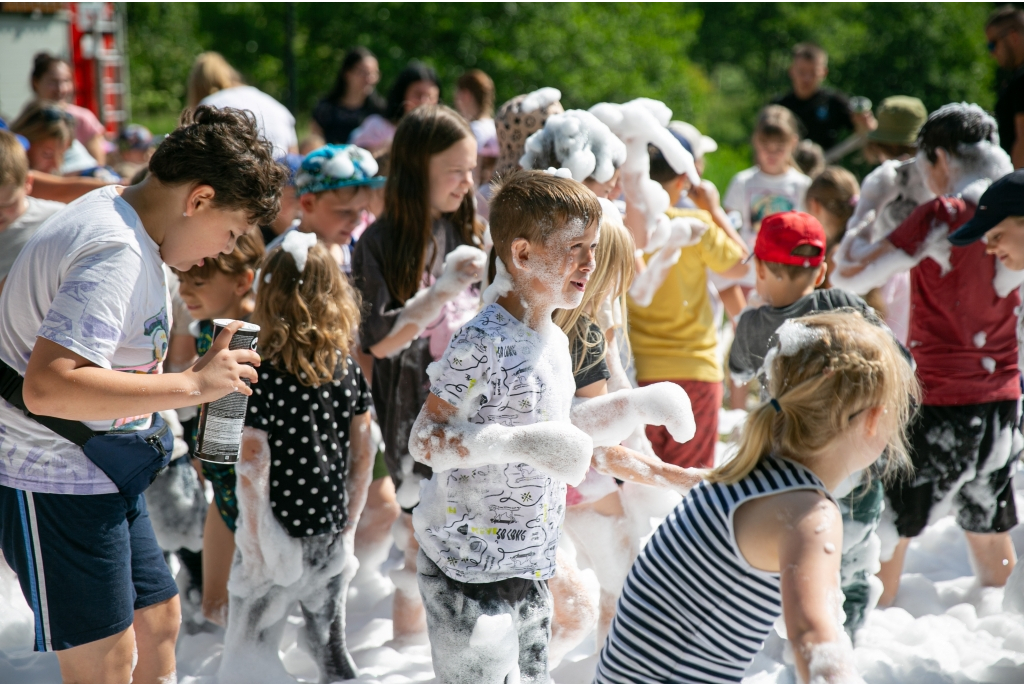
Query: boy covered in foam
[[496, 430], [964, 439]]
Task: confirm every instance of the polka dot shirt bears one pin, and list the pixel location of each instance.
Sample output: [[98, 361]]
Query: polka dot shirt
[[308, 432]]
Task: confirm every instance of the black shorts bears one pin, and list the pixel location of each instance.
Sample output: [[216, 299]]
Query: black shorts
[[85, 563], [964, 460]]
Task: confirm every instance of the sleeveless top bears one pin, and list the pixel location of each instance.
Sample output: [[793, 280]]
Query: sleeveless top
[[692, 609]]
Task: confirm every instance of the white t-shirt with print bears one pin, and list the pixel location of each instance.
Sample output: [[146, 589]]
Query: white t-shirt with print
[[494, 522], [755, 195], [92, 281]]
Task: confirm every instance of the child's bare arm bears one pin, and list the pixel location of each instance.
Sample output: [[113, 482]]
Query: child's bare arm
[[810, 549], [360, 470], [253, 491], [636, 467], [61, 383], [181, 353], [610, 419], [443, 441]]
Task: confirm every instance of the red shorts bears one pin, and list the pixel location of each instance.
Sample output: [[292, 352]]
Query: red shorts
[[706, 399]]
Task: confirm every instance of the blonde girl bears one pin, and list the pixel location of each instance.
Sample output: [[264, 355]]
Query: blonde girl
[[762, 536], [305, 467]]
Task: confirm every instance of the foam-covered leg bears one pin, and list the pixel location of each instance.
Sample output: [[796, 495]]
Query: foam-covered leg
[[325, 632], [407, 614], [574, 596], [251, 641]]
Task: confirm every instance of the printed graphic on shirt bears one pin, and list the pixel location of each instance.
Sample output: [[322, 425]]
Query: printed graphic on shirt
[[765, 204], [498, 521]]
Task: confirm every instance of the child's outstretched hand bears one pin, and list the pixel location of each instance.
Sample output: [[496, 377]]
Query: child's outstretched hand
[[611, 418], [686, 232], [221, 371]]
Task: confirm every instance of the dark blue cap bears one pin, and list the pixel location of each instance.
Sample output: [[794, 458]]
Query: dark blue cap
[[1003, 198]]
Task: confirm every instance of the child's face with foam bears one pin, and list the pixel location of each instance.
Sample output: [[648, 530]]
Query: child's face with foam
[[217, 295], [554, 274], [604, 190], [451, 176], [334, 214]]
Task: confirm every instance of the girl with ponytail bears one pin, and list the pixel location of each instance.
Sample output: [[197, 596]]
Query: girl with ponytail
[[762, 536]]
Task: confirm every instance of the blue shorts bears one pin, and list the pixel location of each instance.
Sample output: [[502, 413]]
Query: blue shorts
[[85, 563]]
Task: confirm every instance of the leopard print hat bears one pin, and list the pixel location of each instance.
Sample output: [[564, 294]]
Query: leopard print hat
[[515, 122]]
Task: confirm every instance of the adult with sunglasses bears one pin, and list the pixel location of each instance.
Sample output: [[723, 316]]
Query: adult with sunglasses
[[1005, 33], [49, 130], [52, 80]]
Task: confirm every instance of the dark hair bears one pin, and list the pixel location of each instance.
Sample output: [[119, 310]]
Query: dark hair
[[661, 170], [41, 63], [809, 157], [352, 58], [1006, 16], [535, 205], [810, 51], [223, 148], [424, 132], [792, 271], [952, 125], [481, 87], [413, 72]]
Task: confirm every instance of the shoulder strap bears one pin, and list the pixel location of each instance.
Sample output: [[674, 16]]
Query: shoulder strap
[[11, 384]]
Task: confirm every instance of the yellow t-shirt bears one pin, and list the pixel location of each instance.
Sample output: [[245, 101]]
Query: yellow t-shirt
[[675, 337]]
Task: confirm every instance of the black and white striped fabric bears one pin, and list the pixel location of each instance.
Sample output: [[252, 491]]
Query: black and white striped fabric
[[693, 610]]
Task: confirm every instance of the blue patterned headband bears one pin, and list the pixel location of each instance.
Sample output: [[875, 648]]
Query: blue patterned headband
[[337, 166]]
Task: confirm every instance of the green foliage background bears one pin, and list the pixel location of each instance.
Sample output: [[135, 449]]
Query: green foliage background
[[714, 64]]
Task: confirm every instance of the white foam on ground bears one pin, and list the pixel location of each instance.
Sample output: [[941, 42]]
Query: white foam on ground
[[943, 628]]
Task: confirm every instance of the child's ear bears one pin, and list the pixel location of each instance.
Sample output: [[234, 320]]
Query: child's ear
[[822, 273], [29, 181], [760, 269], [243, 282], [872, 419], [307, 202], [520, 250]]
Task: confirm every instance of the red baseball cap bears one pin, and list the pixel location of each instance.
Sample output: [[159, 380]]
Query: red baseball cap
[[782, 233]]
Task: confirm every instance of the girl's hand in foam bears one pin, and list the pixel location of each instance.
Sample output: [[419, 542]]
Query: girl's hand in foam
[[463, 266]]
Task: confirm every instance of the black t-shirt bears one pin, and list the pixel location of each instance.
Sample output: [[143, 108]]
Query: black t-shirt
[[308, 433], [825, 115], [1009, 105], [338, 122], [594, 367], [755, 330]]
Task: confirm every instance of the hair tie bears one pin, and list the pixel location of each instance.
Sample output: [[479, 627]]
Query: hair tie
[[775, 403]]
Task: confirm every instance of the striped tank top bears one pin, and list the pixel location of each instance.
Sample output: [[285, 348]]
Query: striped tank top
[[692, 609]]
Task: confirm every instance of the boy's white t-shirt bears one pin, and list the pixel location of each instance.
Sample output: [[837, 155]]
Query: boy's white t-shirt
[[755, 195], [275, 121], [494, 522], [91, 280], [14, 238]]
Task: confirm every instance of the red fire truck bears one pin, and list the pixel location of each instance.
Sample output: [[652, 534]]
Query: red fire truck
[[90, 35]]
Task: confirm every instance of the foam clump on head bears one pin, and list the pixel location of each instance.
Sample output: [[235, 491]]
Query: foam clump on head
[[540, 99], [578, 141], [794, 336], [298, 244]]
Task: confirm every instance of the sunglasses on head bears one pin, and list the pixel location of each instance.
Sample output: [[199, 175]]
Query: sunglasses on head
[[51, 114]]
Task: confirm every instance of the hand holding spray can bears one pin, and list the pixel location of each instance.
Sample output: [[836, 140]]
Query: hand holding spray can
[[220, 422]]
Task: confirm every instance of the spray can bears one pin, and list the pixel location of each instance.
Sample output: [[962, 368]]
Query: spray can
[[220, 422]]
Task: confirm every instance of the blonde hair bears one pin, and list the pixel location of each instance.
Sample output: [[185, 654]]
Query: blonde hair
[[613, 273], [13, 161], [307, 320], [826, 369], [210, 73]]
